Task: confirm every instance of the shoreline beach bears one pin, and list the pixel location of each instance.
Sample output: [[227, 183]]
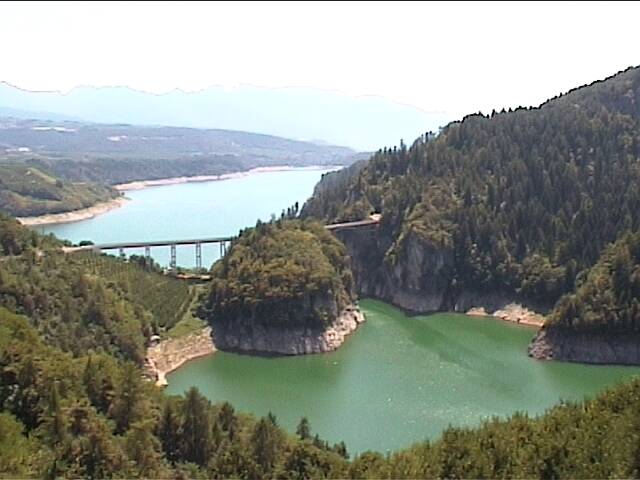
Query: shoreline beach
[[141, 184]]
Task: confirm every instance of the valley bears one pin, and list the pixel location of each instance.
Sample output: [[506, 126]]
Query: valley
[[358, 333]]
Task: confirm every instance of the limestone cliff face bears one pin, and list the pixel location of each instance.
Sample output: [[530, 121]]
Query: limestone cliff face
[[417, 282], [420, 281], [245, 335], [560, 344]]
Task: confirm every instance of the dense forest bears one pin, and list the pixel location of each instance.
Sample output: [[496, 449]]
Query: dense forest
[[525, 201], [609, 298], [86, 411], [600, 322], [86, 302], [521, 202], [283, 273], [27, 191]]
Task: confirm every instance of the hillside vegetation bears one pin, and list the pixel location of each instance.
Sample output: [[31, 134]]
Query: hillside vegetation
[[111, 154], [281, 274], [27, 191], [83, 303], [609, 298], [520, 203], [73, 402]]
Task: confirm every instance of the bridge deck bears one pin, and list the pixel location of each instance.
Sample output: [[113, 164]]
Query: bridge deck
[[154, 243], [373, 220]]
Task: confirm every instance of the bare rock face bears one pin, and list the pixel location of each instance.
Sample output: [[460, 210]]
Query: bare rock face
[[256, 338], [587, 347], [421, 279], [418, 282]]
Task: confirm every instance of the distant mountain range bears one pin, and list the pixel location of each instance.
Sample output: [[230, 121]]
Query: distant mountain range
[[364, 123]]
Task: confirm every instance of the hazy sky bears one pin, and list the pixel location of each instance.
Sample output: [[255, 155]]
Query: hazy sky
[[458, 58]]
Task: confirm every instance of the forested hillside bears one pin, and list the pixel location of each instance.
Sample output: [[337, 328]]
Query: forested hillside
[[73, 401], [600, 322], [85, 302], [512, 205], [110, 154], [27, 191], [282, 285], [280, 273]]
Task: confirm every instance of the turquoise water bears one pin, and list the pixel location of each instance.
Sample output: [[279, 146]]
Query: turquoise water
[[395, 381], [193, 210], [398, 380]]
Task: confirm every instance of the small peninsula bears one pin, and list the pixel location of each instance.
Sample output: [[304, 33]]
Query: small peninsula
[[286, 288]]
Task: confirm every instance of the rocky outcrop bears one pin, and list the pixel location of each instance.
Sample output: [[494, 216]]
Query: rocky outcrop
[[587, 347], [172, 353], [512, 312], [421, 279], [418, 282], [251, 337]]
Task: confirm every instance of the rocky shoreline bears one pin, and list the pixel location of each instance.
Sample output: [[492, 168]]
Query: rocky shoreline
[[75, 215], [594, 347], [171, 354], [294, 341], [512, 312]]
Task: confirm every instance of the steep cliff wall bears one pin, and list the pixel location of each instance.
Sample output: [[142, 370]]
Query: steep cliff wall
[[248, 336], [420, 281]]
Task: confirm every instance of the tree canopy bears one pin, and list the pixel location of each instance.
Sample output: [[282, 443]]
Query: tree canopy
[[282, 273]]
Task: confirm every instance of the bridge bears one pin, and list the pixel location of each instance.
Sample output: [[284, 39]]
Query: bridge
[[373, 220]]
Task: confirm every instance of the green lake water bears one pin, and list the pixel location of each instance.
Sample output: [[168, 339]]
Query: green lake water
[[399, 379], [395, 381]]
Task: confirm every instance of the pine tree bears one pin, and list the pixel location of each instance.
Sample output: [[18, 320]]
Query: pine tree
[[303, 430], [169, 432], [195, 434]]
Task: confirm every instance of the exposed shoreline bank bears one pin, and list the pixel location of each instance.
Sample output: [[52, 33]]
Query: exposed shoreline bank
[[599, 347], [513, 313], [259, 340], [141, 184], [171, 354], [74, 215]]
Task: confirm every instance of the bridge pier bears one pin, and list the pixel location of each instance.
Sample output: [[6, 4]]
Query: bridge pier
[[122, 255], [198, 255], [173, 262]]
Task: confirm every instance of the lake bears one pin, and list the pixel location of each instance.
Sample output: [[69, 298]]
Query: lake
[[193, 210], [395, 381], [399, 379]]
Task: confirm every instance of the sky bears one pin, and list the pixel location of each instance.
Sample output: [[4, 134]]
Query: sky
[[457, 58]]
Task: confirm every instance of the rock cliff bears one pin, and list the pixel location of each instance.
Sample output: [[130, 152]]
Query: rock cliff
[[247, 336], [420, 281], [592, 347]]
